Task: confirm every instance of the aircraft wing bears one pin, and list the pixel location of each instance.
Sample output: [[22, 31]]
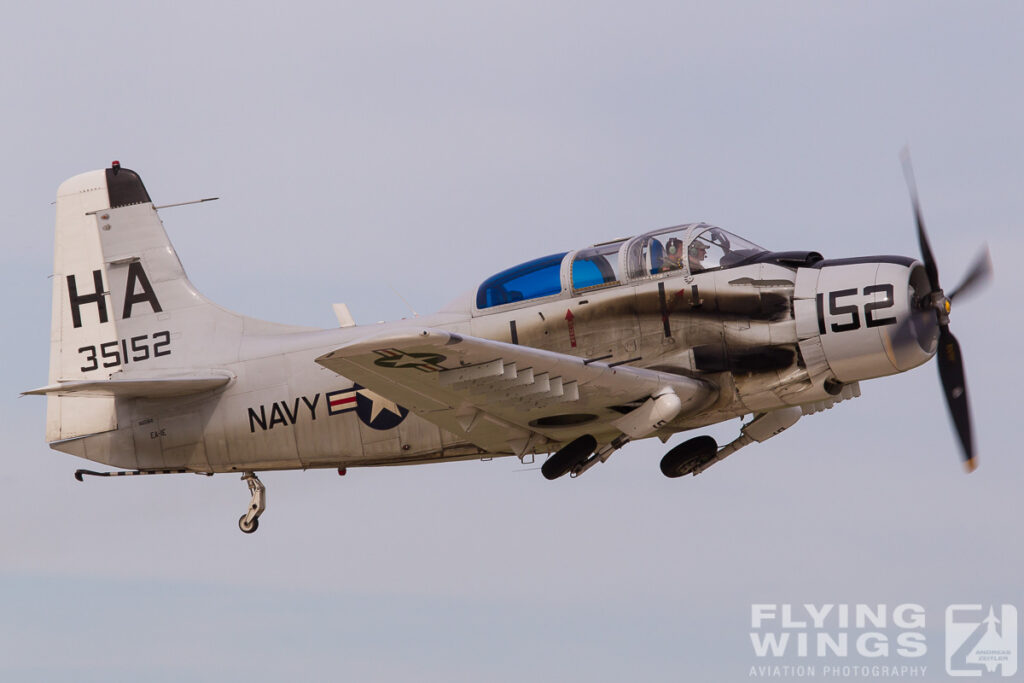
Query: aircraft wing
[[505, 398]]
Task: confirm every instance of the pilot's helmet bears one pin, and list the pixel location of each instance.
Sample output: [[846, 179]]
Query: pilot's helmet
[[674, 247], [698, 250]]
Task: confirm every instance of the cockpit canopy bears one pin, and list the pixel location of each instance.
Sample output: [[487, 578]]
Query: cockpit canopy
[[692, 248], [531, 280]]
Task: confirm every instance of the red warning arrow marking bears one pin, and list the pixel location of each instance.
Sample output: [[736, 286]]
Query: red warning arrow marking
[[569, 318]]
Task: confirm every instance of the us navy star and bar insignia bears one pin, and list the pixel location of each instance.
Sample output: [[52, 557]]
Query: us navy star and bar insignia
[[396, 358]]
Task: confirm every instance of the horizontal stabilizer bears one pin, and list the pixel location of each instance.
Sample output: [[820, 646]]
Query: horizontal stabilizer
[[138, 387]]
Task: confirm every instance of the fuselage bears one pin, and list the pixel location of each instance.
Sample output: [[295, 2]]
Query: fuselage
[[147, 374], [755, 331]]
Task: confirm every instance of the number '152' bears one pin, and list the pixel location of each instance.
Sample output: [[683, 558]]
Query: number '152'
[[852, 312]]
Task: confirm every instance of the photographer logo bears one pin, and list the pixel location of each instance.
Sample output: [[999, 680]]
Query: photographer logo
[[981, 640]]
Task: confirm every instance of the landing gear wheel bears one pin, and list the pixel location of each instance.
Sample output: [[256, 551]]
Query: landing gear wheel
[[250, 521], [688, 455], [568, 457]]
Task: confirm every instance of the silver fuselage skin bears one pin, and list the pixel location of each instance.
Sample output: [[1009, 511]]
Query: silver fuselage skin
[[766, 335]]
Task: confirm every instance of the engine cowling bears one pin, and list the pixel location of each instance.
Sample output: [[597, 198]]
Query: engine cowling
[[862, 318]]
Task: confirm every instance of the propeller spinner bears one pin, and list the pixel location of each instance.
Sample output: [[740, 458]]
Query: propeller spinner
[[948, 356]]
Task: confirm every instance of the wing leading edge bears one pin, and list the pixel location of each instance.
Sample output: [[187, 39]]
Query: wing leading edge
[[503, 397]]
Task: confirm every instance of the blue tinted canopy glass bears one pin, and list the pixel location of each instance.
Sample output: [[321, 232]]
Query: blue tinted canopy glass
[[531, 280], [597, 266]]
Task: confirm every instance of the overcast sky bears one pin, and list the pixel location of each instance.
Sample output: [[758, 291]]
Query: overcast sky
[[360, 147]]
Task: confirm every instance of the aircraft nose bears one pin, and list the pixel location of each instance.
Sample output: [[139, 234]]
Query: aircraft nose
[[873, 316], [914, 339], [922, 315]]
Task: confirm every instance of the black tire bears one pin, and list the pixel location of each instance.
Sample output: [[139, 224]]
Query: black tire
[[251, 527], [564, 460], [686, 456]]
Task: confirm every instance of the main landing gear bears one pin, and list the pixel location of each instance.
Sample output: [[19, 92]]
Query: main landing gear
[[580, 455], [698, 454], [250, 521], [691, 457], [688, 456], [570, 455]]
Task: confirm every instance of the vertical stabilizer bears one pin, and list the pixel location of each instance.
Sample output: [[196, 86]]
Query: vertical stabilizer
[[122, 304]]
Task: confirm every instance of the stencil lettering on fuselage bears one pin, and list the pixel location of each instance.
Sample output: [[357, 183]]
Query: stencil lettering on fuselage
[[372, 409]]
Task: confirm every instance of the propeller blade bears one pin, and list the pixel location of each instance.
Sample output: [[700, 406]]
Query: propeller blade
[[979, 274], [922, 236], [951, 371]]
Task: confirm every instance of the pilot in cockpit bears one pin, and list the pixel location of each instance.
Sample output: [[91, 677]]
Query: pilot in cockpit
[[673, 258], [674, 250], [697, 252]]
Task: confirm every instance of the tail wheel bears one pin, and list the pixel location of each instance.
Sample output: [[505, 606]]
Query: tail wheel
[[250, 527]]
